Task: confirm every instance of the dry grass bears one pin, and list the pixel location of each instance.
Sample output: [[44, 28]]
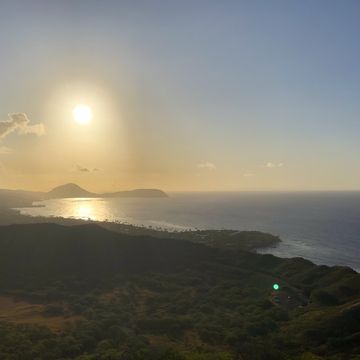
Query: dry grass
[[22, 312]]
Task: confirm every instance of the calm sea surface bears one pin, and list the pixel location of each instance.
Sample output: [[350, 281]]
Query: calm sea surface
[[322, 227]]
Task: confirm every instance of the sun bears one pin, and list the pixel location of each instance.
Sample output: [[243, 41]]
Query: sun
[[82, 114]]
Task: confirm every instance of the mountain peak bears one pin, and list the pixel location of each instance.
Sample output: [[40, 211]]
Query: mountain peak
[[72, 190], [69, 190]]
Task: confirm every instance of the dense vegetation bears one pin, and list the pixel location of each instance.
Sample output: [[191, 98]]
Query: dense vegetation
[[160, 299]]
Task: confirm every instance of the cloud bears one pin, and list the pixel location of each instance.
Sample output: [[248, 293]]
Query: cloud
[[207, 166], [19, 122], [271, 165], [84, 169], [5, 150], [248, 174]]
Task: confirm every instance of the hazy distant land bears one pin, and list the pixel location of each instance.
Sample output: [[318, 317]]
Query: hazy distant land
[[245, 240], [21, 198], [75, 191]]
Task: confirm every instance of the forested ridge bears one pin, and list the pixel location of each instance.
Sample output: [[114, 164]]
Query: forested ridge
[[141, 297]]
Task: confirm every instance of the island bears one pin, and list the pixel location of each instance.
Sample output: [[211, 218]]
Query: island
[[22, 198], [75, 191]]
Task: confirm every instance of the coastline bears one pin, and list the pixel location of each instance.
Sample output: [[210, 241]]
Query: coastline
[[222, 239], [250, 241]]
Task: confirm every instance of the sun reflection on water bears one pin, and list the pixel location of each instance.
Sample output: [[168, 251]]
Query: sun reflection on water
[[125, 211], [84, 211]]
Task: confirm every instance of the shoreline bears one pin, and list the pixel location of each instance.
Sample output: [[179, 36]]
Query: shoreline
[[250, 241], [223, 239]]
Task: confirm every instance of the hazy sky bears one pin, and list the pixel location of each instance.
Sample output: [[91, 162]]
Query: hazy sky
[[186, 95]]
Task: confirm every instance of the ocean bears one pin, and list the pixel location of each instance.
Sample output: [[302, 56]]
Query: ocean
[[323, 227]]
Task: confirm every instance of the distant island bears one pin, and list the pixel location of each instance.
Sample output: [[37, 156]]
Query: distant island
[[75, 191], [18, 198]]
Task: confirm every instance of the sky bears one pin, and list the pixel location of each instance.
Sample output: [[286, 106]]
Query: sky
[[186, 95]]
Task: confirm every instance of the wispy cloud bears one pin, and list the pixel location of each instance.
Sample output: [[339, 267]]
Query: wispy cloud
[[271, 165], [82, 169], [207, 166], [248, 174], [19, 122]]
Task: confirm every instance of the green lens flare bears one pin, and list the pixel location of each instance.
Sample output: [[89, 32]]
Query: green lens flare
[[276, 286]]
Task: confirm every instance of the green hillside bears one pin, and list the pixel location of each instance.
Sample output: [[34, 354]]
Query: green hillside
[[140, 297]]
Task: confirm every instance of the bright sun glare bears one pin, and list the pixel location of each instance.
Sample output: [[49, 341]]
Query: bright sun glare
[[82, 114]]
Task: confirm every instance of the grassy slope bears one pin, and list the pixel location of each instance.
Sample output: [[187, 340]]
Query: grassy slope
[[176, 293]]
